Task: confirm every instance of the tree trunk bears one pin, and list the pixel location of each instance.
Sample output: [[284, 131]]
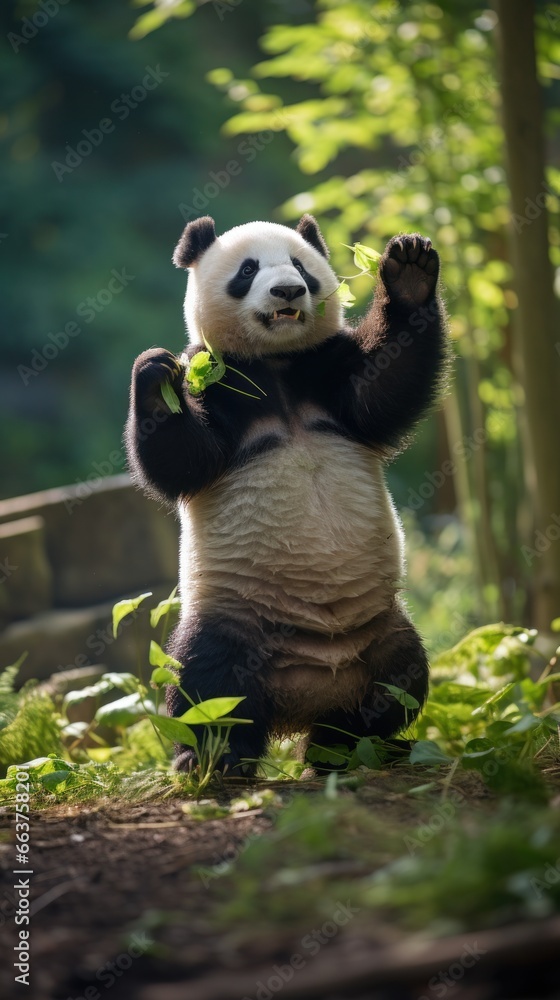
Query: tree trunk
[[537, 317]]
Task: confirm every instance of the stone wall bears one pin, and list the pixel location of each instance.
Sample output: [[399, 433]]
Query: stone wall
[[66, 556]]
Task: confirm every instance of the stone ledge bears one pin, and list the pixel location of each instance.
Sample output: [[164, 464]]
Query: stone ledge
[[26, 583], [69, 639], [102, 539]]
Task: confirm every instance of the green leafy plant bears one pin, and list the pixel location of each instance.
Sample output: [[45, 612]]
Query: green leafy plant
[[370, 751], [487, 713], [128, 733], [28, 723], [213, 716], [473, 871], [203, 369], [367, 260]]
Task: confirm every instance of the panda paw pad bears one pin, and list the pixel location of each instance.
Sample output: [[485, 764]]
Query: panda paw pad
[[409, 269]]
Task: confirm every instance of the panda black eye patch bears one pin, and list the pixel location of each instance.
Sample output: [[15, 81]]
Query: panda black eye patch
[[241, 283], [311, 282]]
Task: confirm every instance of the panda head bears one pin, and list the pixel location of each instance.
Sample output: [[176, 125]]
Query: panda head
[[255, 290]]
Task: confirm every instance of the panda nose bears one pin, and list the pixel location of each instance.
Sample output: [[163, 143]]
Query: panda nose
[[287, 292]]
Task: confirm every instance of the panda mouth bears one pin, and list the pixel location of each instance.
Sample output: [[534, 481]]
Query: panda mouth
[[287, 315], [295, 315]]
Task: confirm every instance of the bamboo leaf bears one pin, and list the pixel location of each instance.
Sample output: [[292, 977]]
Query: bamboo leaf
[[170, 397]]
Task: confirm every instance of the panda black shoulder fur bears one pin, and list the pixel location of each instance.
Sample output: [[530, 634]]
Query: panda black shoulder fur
[[291, 550]]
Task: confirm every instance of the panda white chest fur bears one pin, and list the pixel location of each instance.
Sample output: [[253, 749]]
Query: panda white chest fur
[[304, 534]]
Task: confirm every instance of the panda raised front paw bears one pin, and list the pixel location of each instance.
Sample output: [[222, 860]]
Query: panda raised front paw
[[151, 370], [409, 269]]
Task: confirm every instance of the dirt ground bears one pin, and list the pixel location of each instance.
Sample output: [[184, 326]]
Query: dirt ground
[[109, 880]]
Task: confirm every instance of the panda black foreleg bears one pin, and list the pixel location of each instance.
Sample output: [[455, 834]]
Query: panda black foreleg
[[400, 359], [171, 454], [400, 659], [219, 660]]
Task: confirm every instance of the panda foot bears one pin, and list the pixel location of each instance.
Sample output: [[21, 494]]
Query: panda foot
[[309, 773], [409, 269], [185, 761], [230, 764]]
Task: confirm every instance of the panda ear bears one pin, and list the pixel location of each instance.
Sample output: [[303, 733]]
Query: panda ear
[[308, 228], [196, 238]]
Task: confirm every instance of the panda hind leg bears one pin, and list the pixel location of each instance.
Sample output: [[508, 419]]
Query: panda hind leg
[[399, 659], [218, 661]]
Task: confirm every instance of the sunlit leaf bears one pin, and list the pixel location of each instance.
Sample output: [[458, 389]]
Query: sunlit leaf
[[174, 730], [162, 675], [402, 696], [158, 658], [166, 607], [123, 712], [170, 397], [124, 608], [210, 711], [345, 295]]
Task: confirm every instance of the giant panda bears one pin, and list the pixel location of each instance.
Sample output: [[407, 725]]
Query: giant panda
[[291, 553]]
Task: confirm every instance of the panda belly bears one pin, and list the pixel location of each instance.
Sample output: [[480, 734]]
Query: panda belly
[[305, 535]]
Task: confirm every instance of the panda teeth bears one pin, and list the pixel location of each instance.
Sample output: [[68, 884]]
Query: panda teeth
[[283, 314]]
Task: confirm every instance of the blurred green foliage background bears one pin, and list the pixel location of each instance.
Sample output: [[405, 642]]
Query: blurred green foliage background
[[375, 116], [119, 208]]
